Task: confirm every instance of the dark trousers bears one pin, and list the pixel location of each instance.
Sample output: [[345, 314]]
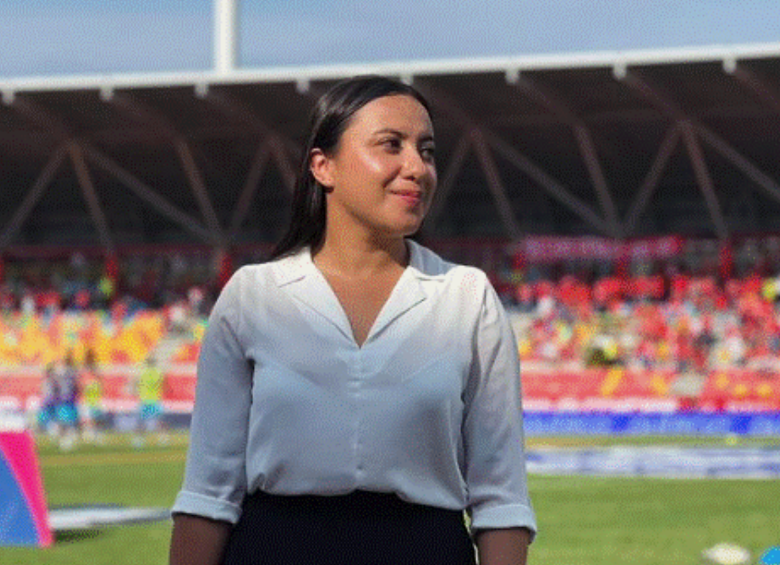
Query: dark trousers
[[361, 528]]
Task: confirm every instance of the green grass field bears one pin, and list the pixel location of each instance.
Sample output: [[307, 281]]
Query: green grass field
[[583, 520]]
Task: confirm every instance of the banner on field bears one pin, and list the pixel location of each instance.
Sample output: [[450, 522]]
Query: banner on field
[[662, 424], [24, 519]]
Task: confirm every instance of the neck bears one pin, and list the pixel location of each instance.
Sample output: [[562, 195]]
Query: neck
[[356, 256]]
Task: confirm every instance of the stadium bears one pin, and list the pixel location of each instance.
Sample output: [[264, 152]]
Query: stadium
[[624, 205]]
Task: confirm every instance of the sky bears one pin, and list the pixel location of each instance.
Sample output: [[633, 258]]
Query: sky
[[55, 37]]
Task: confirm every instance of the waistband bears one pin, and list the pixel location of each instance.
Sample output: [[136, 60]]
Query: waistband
[[356, 503]]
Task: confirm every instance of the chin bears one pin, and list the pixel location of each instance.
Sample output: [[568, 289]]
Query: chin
[[410, 228], [403, 225]]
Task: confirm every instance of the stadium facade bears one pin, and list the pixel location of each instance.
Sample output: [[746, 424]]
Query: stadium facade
[[620, 145], [555, 157]]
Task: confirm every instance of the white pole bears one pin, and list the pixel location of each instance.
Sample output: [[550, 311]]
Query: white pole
[[225, 35]]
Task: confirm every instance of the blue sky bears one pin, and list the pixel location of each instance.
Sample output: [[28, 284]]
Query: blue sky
[[100, 36]]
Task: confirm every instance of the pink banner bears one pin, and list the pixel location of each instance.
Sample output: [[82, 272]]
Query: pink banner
[[540, 249], [17, 450]]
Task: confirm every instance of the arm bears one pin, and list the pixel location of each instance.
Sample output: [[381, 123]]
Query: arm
[[503, 547], [198, 541], [493, 432], [215, 477]]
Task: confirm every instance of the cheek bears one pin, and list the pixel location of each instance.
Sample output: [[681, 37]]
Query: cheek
[[380, 167]]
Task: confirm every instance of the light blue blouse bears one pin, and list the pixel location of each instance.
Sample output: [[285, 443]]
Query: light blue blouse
[[428, 407]]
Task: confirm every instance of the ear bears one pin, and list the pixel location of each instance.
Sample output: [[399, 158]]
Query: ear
[[321, 167]]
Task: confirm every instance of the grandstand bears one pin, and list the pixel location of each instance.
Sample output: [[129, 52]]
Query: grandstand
[[620, 145], [625, 204]]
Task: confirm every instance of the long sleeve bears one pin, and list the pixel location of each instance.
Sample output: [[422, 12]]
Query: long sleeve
[[215, 478], [493, 425]]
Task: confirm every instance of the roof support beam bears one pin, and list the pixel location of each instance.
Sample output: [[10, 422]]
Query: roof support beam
[[650, 183], [768, 96], [767, 183], [60, 128], [198, 186], [42, 117], [281, 147], [590, 156], [164, 126], [149, 117], [496, 186], [518, 160], [688, 127], [282, 160], [256, 170], [704, 179], [454, 166], [563, 110], [91, 197], [552, 186], [144, 134], [757, 85], [148, 195], [489, 169], [32, 197]]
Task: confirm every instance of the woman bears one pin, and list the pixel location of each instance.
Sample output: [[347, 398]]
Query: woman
[[357, 393]]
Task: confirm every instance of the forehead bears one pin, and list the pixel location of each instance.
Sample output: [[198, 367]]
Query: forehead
[[399, 112]]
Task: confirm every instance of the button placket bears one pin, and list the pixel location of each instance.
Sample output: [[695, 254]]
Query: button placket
[[356, 390]]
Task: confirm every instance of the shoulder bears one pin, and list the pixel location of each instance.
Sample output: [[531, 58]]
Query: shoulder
[[249, 275], [276, 272], [255, 287], [254, 278], [429, 265]]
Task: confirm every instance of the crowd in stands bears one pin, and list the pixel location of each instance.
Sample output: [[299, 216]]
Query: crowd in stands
[[49, 308], [662, 316], [79, 282], [681, 322]]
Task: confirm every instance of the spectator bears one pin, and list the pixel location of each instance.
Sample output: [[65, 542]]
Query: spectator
[[149, 391], [67, 410], [92, 385]]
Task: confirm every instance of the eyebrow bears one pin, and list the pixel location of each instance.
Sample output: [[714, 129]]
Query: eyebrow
[[427, 137]]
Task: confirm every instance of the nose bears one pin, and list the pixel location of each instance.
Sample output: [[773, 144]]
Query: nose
[[415, 165]]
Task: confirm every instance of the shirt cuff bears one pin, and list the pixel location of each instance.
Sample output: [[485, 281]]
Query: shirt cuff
[[206, 506], [502, 517]]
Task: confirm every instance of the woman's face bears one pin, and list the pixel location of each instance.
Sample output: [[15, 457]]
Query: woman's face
[[381, 176]]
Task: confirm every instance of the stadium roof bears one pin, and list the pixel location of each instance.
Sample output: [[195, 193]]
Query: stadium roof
[[619, 144]]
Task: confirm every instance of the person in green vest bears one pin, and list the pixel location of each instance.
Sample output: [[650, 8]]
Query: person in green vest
[[149, 389], [92, 395]]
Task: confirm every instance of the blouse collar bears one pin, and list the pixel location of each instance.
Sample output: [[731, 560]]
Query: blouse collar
[[301, 278]]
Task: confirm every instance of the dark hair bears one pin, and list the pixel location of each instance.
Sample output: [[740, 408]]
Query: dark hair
[[329, 119]]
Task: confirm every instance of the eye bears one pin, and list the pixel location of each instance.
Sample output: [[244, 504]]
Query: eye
[[428, 152], [392, 144]]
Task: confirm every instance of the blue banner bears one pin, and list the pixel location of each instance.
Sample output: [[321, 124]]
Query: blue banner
[[677, 424]]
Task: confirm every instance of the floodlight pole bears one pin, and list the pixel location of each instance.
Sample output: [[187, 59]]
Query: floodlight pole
[[225, 35]]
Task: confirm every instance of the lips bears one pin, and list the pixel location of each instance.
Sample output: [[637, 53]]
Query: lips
[[410, 196]]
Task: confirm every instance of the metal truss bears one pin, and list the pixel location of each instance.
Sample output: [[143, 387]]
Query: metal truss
[[692, 132], [484, 142], [80, 152], [477, 139], [83, 154]]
